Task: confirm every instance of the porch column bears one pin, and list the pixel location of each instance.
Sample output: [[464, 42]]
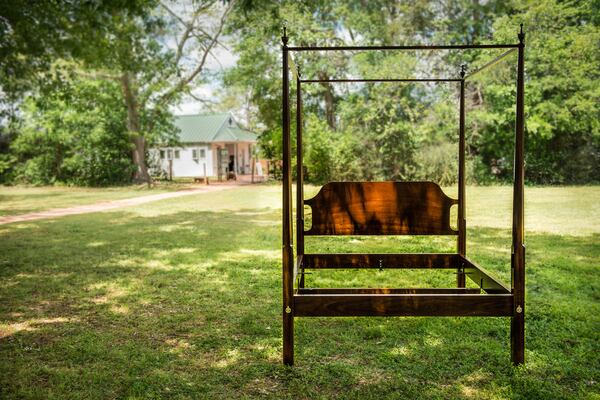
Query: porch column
[[236, 167]]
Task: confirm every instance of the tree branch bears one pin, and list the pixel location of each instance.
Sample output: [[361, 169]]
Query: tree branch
[[182, 83], [189, 27], [204, 101], [209, 36]]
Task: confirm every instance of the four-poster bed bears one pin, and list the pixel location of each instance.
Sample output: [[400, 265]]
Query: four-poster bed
[[396, 208]]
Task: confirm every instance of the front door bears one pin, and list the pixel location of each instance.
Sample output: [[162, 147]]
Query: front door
[[222, 162], [231, 149]]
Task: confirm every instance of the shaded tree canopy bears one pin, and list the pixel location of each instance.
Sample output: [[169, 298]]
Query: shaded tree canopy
[[155, 51], [143, 56], [33, 34], [409, 131]]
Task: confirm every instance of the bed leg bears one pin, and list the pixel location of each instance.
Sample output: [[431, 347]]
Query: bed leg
[[288, 337], [517, 337], [517, 325]]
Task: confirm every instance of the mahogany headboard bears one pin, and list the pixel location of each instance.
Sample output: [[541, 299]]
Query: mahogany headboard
[[381, 208]]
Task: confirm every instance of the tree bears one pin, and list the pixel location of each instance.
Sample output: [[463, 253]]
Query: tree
[[33, 34], [74, 134], [370, 113], [562, 97], [152, 75], [391, 131], [155, 51]]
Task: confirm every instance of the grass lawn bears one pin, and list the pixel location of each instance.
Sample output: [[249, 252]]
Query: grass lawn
[[16, 200], [182, 299]]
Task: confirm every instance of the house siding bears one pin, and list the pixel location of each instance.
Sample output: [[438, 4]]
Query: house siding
[[185, 166]]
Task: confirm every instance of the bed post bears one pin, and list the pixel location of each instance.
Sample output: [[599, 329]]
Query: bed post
[[288, 255], [517, 329], [462, 225], [299, 179]]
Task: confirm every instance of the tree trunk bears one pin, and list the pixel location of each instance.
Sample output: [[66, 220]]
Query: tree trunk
[[329, 101], [138, 152]]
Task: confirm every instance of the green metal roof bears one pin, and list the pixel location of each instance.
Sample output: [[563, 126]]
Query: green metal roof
[[243, 135], [211, 128]]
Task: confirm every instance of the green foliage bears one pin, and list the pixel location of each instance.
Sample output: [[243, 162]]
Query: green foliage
[[437, 163], [7, 162], [35, 33], [372, 131], [319, 157], [76, 136], [124, 43], [562, 95], [398, 131]]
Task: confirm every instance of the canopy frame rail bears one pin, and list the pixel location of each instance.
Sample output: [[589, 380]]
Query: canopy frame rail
[[404, 48], [375, 80], [489, 63]]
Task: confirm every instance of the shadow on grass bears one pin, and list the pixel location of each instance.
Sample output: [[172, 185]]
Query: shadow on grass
[[188, 305]]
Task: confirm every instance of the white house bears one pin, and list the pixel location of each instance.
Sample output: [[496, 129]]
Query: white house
[[210, 145]]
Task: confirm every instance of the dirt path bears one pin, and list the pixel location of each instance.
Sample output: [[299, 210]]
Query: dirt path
[[110, 205]]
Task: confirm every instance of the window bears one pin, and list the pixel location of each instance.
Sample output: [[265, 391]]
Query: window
[[198, 154], [162, 154], [169, 154], [177, 154]]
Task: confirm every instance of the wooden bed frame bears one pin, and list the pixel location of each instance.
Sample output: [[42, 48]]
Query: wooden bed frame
[[396, 208]]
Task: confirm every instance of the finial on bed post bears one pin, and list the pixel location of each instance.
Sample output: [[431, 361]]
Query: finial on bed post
[[521, 35], [463, 70], [284, 38], [299, 71]]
